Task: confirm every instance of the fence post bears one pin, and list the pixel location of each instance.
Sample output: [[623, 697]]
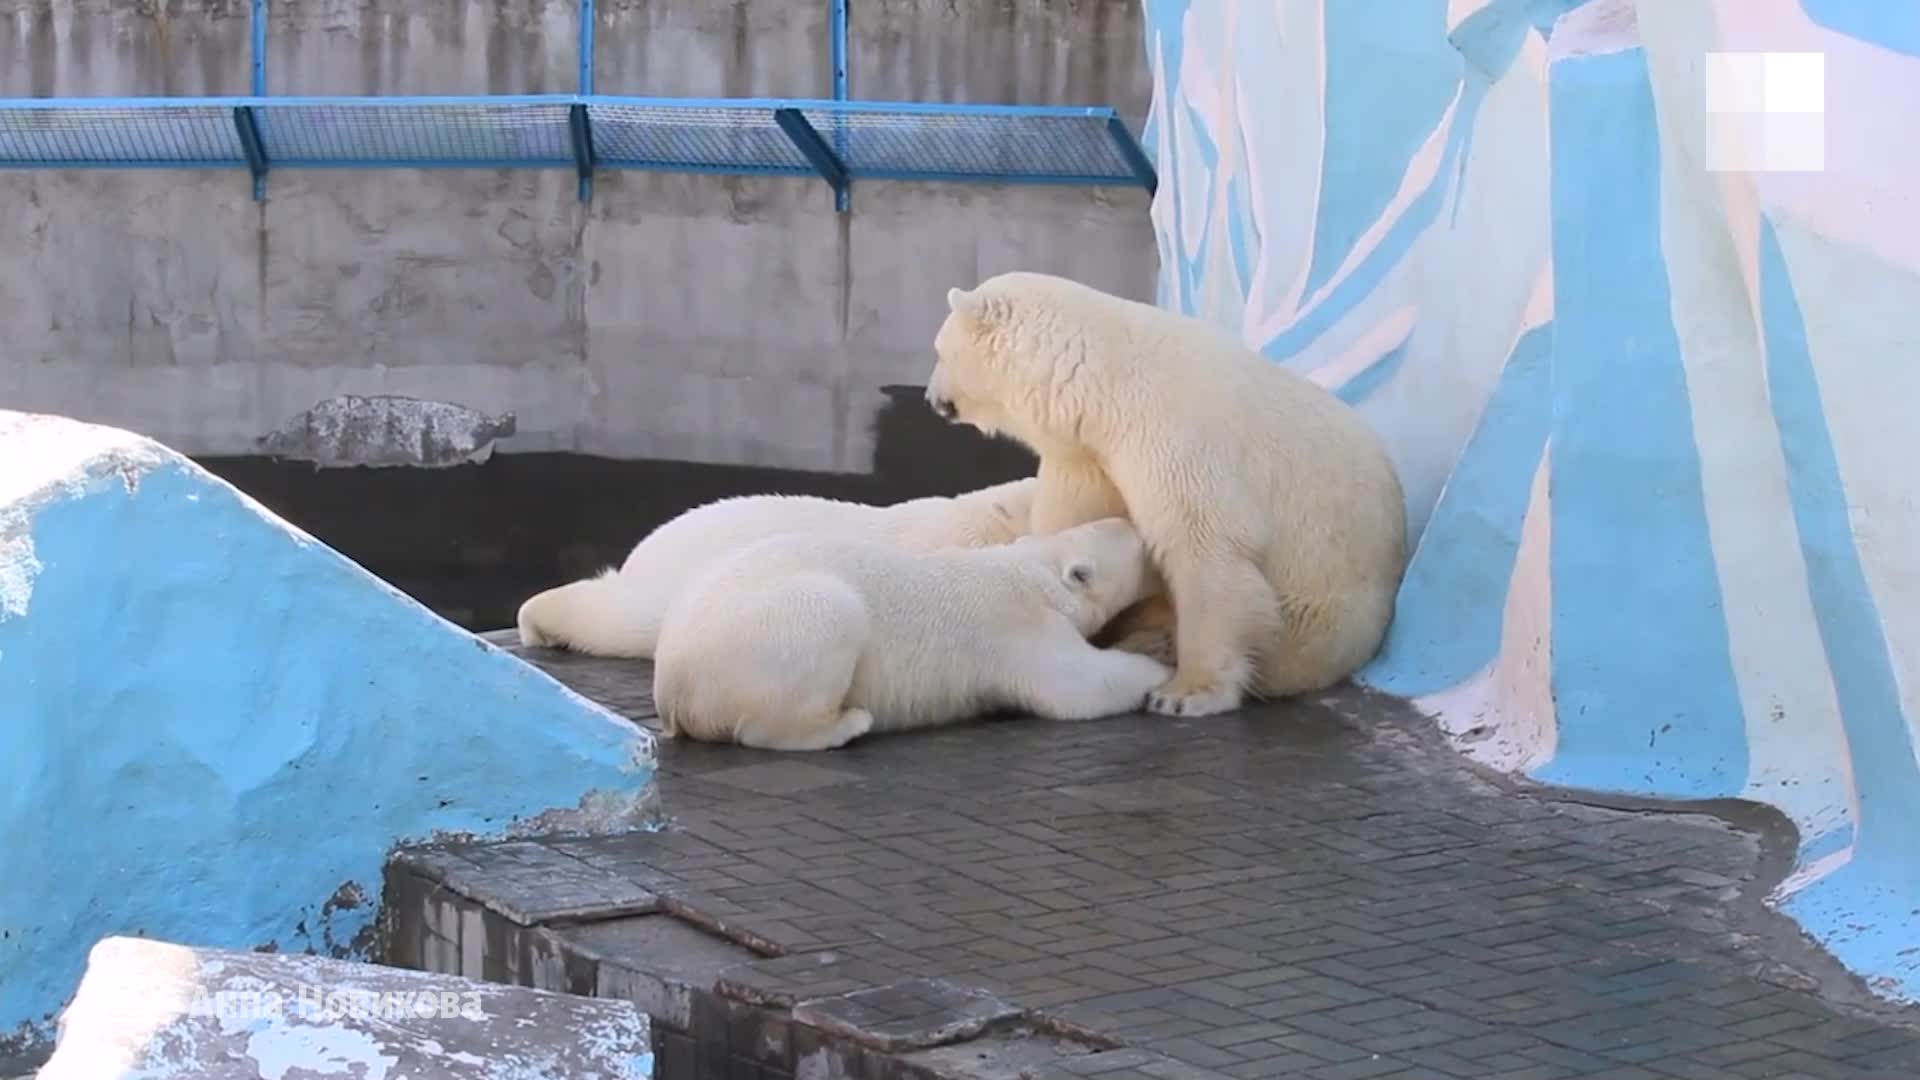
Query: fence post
[[257, 23], [579, 124], [246, 122], [837, 26]]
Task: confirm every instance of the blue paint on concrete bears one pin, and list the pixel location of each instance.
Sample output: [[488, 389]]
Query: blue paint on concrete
[[1490, 38], [1374, 376], [1207, 156], [1240, 239], [213, 729], [1888, 24], [1867, 912], [1646, 695], [1421, 213], [1388, 82], [1814, 848], [1643, 674], [1163, 45], [1447, 621]]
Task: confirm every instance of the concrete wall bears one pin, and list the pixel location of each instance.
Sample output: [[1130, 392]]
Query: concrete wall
[[213, 729], [1653, 401], [736, 321]]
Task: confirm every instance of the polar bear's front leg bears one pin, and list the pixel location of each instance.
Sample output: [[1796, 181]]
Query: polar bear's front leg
[[1072, 490], [1224, 608], [1067, 679]]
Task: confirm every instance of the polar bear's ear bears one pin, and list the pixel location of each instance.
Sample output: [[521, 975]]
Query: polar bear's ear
[[1079, 574], [979, 307]]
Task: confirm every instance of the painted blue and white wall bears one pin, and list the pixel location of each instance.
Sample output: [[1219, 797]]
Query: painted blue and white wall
[[1645, 357], [213, 728]]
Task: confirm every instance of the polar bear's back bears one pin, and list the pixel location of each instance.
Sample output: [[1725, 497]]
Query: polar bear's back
[[908, 596], [727, 524], [1325, 499], [689, 541], [1270, 455]]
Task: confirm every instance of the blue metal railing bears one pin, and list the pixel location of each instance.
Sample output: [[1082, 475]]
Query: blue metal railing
[[837, 57], [839, 140]]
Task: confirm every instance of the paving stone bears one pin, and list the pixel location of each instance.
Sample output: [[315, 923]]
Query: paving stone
[[784, 982], [532, 883], [655, 960], [910, 1015], [1308, 889], [785, 777], [620, 685], [1120, 1065]]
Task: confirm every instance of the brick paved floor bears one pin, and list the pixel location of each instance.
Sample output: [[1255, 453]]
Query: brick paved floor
[[1314, 890]]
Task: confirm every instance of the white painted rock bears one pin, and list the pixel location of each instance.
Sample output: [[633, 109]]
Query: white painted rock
[[151, 1010]]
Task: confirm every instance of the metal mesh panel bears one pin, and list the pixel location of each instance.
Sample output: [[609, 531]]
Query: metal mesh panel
[[119, 135], [693, 137], [402, 132], [972, 144], [907, 142]]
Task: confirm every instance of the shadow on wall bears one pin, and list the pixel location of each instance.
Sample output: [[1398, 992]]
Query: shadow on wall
[[1641, 384], [474, 541]]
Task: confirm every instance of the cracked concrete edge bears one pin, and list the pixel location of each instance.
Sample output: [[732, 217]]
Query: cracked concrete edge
[[1775, 947]]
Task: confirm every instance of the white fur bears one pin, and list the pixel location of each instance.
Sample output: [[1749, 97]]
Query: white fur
[[618, 612], [1272, 510], [807, 642]]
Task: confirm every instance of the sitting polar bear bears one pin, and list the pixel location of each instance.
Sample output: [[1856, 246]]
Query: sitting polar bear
[[618, 612], [805, 642], [1272, 510]]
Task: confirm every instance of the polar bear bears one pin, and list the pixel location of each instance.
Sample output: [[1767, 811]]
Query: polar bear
[[617, 613], [1270, 507], [806, 642]]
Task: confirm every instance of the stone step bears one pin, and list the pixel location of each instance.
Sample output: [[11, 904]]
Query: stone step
[[724, 1002], [163, 1011]]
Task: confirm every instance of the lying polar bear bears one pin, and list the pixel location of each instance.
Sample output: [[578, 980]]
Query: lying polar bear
[[805, 642], [617, 613]]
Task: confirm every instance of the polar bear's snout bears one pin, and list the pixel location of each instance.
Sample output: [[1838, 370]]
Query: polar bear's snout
[[941, 404]]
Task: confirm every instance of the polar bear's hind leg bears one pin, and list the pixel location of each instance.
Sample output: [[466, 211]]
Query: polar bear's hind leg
[[774, 667], [810, 733]]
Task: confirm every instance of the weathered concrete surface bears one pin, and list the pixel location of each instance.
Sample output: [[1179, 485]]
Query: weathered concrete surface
[[159, 1010], [1080, 52], [728, 320], [1033, 52], [388, 429], [214, 729]]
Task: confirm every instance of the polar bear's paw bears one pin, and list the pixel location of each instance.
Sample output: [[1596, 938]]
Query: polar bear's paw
[[1182, 698]]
